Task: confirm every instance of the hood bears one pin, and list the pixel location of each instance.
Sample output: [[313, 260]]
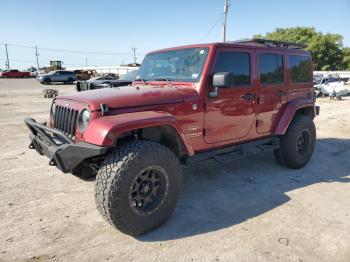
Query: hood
[[127, 96]]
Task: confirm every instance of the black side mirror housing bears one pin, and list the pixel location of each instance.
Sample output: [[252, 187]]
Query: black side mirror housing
[[223, 79]]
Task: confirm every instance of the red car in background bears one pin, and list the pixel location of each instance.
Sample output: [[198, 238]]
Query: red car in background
[[14, 73]]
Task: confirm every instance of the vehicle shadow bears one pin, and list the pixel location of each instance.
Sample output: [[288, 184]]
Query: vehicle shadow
[[218, 196]]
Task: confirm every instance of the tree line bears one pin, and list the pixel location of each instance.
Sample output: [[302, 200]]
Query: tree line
[[327, 50]]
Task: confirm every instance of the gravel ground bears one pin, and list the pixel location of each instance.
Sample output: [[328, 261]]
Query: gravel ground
[[251, 210]]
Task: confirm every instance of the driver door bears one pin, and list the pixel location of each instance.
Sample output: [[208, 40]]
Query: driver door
[[231, 112]]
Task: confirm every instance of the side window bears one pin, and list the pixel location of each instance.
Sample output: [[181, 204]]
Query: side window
[[300, 68], [271, 68], [237, 63]]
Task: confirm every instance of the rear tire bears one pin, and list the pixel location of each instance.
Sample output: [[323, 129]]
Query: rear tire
[[138, 186], [297, 145]]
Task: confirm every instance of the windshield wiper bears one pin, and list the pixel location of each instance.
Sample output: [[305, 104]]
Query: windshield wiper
[[164, 79], [144, 81]]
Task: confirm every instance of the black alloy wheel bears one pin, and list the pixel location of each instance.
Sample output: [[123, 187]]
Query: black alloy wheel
[[303, 142], [148, 189]]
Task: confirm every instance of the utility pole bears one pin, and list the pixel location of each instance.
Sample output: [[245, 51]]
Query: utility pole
[[134, 51], [7, 59], [37, 58], [226, 6], [86, 61]]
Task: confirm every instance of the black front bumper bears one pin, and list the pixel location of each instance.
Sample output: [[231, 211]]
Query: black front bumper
[[62, 151]]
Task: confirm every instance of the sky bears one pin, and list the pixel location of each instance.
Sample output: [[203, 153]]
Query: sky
[[113, 27]]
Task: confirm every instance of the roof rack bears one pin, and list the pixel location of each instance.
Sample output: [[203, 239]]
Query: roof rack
[[272, 43]]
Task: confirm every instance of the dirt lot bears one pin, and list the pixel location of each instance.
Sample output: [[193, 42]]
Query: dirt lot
[[254, 210]]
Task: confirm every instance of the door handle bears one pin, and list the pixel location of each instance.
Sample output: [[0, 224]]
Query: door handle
[[280, 93], [248, 96]]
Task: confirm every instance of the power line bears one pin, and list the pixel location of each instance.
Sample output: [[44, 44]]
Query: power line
[[67, 50], [18, 60], [211, 28]]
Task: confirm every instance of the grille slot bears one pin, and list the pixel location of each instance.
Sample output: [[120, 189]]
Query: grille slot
[[65, 120]]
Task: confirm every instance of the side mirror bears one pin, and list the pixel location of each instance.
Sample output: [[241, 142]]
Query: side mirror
[[223, 79]]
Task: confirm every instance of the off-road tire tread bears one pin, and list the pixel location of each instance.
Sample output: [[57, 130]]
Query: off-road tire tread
[[110, 177], [285, 154]]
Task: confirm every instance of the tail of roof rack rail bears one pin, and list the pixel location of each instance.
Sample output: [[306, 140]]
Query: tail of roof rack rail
[[272, 43]]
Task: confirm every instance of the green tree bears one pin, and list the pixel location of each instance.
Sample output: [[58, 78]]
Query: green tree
[[346, 52], [326, 49]]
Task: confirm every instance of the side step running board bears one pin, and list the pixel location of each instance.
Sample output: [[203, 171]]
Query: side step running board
[[231, 153]]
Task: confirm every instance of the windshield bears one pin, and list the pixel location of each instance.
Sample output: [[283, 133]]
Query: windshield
[[183, 65]]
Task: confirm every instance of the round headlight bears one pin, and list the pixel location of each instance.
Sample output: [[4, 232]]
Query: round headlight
[[84, 119]]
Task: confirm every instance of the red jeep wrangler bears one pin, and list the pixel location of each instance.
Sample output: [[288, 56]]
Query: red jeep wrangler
[[188, 104]]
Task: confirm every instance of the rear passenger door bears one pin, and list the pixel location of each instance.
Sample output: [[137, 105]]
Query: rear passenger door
[[272, 87]]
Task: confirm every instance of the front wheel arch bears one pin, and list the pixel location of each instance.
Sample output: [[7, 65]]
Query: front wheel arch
[[165, 135]]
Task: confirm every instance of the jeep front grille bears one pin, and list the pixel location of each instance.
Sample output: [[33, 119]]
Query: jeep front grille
[[66, 120]]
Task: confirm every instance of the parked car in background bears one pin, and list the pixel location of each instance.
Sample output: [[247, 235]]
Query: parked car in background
[[332, 85], [84, 74], [106, 82], [34, 74], [67, 77], [14, 73]]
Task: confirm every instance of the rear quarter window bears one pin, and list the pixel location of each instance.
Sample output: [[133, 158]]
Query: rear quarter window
[[300, 68]]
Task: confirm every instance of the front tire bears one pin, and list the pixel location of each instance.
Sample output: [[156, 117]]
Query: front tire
[[138, 186], [297, 145]]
